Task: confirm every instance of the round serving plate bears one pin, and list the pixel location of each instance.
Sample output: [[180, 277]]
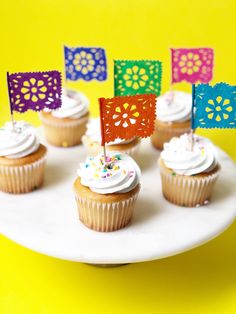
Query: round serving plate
[[46, 220]]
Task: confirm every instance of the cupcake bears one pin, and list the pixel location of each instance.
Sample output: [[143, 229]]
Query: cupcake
[[22, 158], [92, 140], [66, 126], [106, 194], [173, 117], [188, 170]]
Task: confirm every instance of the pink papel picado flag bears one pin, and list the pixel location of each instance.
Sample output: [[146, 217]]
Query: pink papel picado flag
[[192, 65]]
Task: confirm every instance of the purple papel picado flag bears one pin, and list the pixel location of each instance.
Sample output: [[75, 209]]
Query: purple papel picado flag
[[34, 90]]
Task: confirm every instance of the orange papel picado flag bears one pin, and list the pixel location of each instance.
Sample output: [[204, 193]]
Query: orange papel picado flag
[[126, 117]]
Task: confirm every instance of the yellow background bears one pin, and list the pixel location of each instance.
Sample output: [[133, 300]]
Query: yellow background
[[32, 34]]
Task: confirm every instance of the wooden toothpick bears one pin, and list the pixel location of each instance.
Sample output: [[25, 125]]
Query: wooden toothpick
[[105, 154], [103, 143], [12, 121], [192, 117], [11, 110], [192, 138], [65, 67]]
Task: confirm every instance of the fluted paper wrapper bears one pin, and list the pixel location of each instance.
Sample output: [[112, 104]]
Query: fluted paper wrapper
[[164, 134], [22, 179], [64, 134], [133, 151], [189, 191], [94, 148], [105, 217]]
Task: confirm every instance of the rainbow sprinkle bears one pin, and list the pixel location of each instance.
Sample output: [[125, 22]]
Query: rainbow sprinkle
[[107, 170]]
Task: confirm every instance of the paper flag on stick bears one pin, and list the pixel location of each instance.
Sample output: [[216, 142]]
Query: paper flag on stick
[[137, 77], [126, 117], [85, 63], [192, 65], [34, 90], [214, 106]]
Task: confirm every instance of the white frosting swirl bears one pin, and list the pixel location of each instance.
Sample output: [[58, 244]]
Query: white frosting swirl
[[186, 159], [121, 174], [174, 106], [74, 105], [20, 142], [94, 133]]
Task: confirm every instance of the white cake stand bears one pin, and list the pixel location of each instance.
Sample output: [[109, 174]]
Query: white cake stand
[[46, 220]]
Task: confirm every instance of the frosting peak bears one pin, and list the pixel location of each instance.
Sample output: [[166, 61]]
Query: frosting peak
[[120, 174], [20, 142], [74, 105], [186, 159], [174, 106]]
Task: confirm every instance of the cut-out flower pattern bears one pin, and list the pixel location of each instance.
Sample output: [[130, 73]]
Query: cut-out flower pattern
[[192, 65], [218, 109], [215, 106], [137, 77], [127, 117], [35, 90], [85, 63]]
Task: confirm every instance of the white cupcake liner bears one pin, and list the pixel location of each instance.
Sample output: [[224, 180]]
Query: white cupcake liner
[[64, 134], [61, 124], [133, 151], [105, 217], [22, 179], [187, 191], [94, 148], [171, 131], [162, 135]]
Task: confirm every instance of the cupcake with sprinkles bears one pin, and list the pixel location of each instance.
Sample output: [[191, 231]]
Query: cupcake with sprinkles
[[65, 126], [173, 117], [106, 192], [92, 141], [22, 158], [189, 170]]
